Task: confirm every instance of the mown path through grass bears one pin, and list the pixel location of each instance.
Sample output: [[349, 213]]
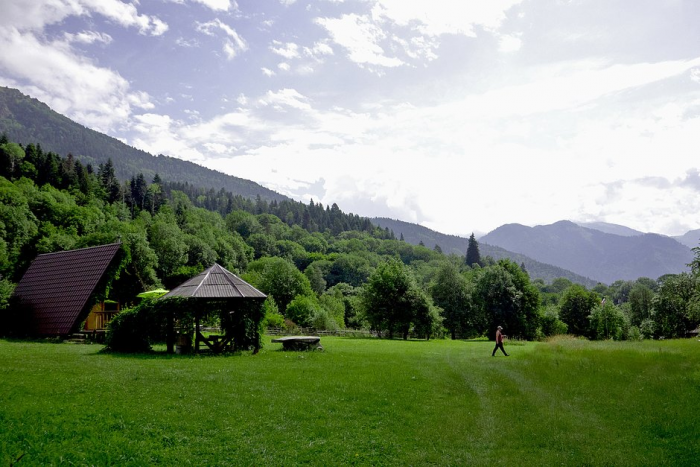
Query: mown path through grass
[[361, 401]]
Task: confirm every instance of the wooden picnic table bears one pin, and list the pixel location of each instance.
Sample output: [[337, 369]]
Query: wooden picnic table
[[216, 343], [299, 342]]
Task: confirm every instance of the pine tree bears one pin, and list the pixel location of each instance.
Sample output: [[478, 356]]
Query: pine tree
[[473, 256]]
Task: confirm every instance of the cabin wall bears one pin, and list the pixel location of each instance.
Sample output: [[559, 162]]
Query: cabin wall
[[100, 315]]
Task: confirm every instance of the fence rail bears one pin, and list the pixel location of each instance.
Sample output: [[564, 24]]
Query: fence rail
[[317, 332]]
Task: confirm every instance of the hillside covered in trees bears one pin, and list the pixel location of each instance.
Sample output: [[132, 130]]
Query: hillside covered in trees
[[26, 120], [319, 266]]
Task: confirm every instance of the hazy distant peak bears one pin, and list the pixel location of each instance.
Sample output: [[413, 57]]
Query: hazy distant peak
[[614, 229]]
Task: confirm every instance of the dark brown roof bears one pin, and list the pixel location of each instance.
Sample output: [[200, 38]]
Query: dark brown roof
[[215, 282], [57, 287]]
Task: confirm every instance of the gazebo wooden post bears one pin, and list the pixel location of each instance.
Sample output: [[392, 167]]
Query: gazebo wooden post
[[256, 322], [170, 332], [196, 333]]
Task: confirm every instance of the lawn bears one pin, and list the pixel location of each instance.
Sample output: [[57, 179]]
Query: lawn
[[359, 402]]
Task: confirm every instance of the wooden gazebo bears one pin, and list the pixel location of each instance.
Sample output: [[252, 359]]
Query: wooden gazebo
[[218, 285]]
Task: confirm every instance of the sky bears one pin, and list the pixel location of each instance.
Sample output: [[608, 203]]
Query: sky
[[459, 115]]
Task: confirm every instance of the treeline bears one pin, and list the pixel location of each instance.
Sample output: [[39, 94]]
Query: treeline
[[319, 266]]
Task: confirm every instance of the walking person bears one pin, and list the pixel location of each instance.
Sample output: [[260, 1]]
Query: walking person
[[499, 342]]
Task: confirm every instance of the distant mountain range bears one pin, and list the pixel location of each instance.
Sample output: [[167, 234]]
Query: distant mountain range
[[585, 253], [691, 239], [414, 234], [26, 120], [593, 253]]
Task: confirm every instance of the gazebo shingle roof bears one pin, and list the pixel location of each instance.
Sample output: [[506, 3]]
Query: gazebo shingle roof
[[57, 287], [215, 282]]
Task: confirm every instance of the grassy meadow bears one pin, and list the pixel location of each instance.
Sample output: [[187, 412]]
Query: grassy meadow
[[359, 402]]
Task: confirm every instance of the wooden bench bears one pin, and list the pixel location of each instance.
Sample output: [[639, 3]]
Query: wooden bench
[[299, 342]]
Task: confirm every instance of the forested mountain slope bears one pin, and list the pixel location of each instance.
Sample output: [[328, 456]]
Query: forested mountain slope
[[414, 234], [26, 120], [602, 256]]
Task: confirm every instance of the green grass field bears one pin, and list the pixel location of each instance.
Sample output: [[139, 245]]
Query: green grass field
[[360, 402]]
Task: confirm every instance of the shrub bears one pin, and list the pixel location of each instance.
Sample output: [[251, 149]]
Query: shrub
[[634, 334], [550, 323], [301, 309], [128, 332], [272, 317], [334, 304], [607, 322], [647, 328], [12, 315], [321, 319], [135, 329]]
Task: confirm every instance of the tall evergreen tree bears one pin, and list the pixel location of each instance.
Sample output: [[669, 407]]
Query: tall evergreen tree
[[473, 256]]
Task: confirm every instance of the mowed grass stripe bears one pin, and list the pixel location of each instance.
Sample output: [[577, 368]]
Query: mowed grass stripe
[[361, 401]]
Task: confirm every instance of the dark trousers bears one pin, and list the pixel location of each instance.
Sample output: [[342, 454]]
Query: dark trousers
[[499, 345]]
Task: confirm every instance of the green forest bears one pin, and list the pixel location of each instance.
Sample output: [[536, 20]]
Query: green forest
[[320, 267]]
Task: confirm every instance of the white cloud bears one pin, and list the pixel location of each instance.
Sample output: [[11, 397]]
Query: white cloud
[[285, 98], [218, 148], [289, 50], [233, 42], [445, 16], [318, 50], [219, 5], [267, 72], [695, 75], [126, 15], [187, 43], [305, 69], [361, 37], [158, 134], [34, 15], [509, 43], [283, 66], [88, 37], [420, 25]]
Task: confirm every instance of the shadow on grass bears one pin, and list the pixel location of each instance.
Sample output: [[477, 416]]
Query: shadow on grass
[[34, 340], [163, 355]]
